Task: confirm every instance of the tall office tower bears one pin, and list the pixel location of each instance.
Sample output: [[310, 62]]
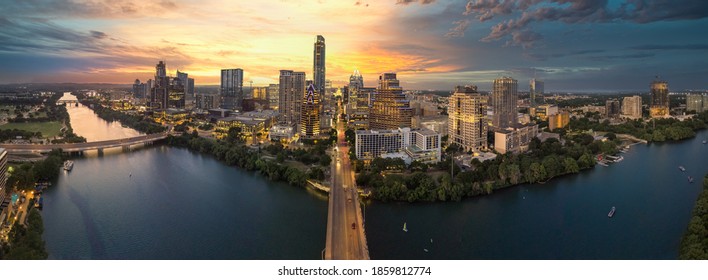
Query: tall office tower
[[272, 96], [504, 97], [612, 108], [231, 88], [290, 92], [632, 107], [176, 98], [356, 82], [389, 107], [137, 89], [535, 90], [183, 78], [659, 99], [190, 87], [318, 68], [695, 102], [310, 113], [467, 122], [160, 91]]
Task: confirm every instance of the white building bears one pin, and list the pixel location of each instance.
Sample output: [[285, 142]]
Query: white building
[[514, 139], [632, 107], [422, 144]]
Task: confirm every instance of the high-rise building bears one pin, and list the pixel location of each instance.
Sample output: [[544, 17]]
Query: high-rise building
[[176, 98], [160, 91], [467, 123], [695, 102], [659, 99], [318, 67], [612, 108], [291, 89], [504, 98], [632, 107], [272, 95], [3, 178], [231, 88], [140, 90], [536, 89], [260, 93], [310, 113], [190, 87], [389, 107], [206, 101]]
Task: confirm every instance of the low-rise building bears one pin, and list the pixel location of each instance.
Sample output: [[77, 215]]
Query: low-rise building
[[543, 111], [559, 120], [421, 144], [514, 139], [283, 133]]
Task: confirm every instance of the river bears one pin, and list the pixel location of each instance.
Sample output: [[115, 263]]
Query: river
[[159, 202]]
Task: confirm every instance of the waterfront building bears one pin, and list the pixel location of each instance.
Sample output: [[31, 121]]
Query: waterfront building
[[310, 113], [632, 107], [250, 123], [514, 139], [543, 111], [389, 107], [206, 101], [612, 108], [231, 89], [695, 102], [558, 120], [536, 89], [318, 65], [659, 106], [467, 122], [291, 89], [421, 144], [504, 102], [272, 95]]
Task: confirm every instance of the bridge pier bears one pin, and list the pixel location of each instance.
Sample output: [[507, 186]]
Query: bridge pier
[[100, 152], [126, 148]]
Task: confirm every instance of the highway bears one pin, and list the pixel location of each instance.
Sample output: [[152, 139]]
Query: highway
[[346, 239]]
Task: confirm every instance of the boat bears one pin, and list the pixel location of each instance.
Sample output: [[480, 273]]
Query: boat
[[431, 240], [602, 163], [682, 169], [690, 179], [426, 250], [612, 212], [68, 165], [705, 141], [405, 228]]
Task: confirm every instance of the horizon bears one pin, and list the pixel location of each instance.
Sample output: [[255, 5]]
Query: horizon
[[585, 46]]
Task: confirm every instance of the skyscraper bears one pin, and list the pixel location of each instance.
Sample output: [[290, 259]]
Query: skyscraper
[[291, 90], [504, 97], [389, 107], [536, 89], [612, 108], [632, 107], [467, 124], [310, 113], [318, 68], [160, 91], [659, 99], [231, 88], [273, 96]]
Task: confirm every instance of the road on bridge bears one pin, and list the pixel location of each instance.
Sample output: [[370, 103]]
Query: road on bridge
[[346, 239]]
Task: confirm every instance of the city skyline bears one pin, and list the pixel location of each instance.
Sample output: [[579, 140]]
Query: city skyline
[[581, 46]]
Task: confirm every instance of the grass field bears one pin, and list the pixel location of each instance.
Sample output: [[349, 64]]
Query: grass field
[[48, 129]]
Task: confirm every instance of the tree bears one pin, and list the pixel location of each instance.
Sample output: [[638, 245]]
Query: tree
[[570, 165]]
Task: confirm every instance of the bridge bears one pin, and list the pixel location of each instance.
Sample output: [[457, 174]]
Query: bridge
[[80, 147], [65, 101], [346, 237]]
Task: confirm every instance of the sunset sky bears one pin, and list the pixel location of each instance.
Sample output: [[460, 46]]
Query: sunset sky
[[585, 45]]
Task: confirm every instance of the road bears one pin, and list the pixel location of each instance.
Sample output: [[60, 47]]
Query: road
[[344, 241]]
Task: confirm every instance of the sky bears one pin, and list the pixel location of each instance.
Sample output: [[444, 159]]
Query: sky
[[584, 45]]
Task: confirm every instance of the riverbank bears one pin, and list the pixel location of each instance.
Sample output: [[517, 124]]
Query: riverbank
[[140, 123], [25, 242], [694, 244]]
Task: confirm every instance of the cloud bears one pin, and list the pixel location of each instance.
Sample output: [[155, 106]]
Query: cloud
[[459, 29], [406, 2], [698, 47], [87, 9], [98, 34], [573, 12]]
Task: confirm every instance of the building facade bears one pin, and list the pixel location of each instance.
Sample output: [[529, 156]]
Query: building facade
[[159, 93], [3, 178], [318, 65], [231, 89], [422, 145], [389, 107], [310, 114], [558, 120], [206, 101], [291, 89], [659, 106], [504, 98], [695, 102], [273, 96], [612, 108], [543, 111], [467, 123], [632, 107], [536, 90], [514, 139]]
